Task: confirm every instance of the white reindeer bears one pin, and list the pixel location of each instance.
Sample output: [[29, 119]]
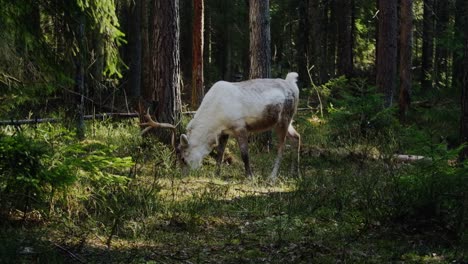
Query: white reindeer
[[237, 109]]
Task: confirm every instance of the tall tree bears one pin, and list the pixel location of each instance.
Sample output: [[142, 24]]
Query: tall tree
[[166, 60], [260, 50], [459, 27], [146, 87], [303, 41], [197, 53], [464, 96], [428, 45], [134, 48], [344, 9], [441, 50], [406, 43], [387, 50]]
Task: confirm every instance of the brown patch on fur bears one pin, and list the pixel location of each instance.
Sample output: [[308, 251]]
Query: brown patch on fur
[[270, 118]]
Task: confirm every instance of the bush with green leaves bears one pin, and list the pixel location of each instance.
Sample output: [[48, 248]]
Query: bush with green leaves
[[39, 169], [357, 113]]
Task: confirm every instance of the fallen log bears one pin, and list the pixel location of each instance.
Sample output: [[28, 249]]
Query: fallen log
[[102, 116]]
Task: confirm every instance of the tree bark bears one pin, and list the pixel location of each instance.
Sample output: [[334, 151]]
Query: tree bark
[[464, 94], [135, 50], [427, 63], [166, 62], [260, 50], [387, 50], [316, 56], [345, 37], [197, 53], [406, 43], [303, 42], [146, 87], [459, 27], [80, 79], [441, 52]]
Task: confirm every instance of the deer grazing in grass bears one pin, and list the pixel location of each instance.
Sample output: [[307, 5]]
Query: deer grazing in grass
[[237, 109]]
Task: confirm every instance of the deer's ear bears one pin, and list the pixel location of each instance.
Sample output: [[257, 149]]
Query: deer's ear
[[183, 140]]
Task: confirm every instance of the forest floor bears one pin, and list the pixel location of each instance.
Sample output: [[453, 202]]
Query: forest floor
[[341, 209], [229, 220]]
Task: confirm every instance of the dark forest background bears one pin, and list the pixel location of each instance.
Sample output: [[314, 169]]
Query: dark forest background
[[383, 117]]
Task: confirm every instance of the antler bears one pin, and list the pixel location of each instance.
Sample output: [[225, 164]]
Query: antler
[[150, 124]]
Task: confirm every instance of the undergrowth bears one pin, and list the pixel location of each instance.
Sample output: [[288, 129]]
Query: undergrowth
[[116, 197]]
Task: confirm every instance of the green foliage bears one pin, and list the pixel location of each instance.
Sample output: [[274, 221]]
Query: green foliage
[[104, 19], [356, 115], [38, 169]]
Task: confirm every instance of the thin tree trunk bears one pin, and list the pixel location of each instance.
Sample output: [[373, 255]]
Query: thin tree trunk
[[197, 53], [428, 46], [464, 95], [345, 37], [80, 79], [135, 49], [316, 37], [303, 42], [146, 87], [441, 52], [387, 50], [406, 41], [460, 24]]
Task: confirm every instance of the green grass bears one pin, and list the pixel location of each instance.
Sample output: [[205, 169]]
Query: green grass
[[339, 209]]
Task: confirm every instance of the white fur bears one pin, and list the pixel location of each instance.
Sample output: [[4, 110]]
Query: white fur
[[229, 106]]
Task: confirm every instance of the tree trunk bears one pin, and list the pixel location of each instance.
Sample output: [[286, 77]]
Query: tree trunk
[[303, 43], [459, 27], [146, 87], [316, 40], [80, 79], [345, 37], [332, 35], [166, 62], [441, 52], [134, 49], [406, 43], [427, 63], [387, 50], [197, 53], [464, 96], [260, 51]]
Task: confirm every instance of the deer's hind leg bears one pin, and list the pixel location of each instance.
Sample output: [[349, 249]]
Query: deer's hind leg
[[281, 131], [222, 142]]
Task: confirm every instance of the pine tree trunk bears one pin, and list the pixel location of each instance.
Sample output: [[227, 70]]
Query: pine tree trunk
[[441, 52], [80, 79], [260, 50], [134, 49], [146, 87], [428, 46], [303, 42], [197, 53], [406, 43], [345, 37], [464, 95], [316, 40], [459, 27], [166, 62], [387, 50]]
